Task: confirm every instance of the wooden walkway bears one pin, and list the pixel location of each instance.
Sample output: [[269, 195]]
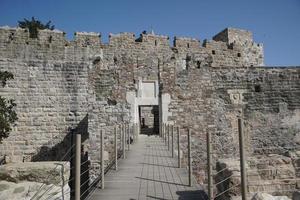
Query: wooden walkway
[[148, 172]]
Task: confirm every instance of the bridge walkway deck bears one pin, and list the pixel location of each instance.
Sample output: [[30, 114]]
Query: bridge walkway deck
[[148, 172]]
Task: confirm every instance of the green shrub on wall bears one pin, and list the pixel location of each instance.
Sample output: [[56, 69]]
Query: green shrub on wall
[[7, 113], [34, 25]]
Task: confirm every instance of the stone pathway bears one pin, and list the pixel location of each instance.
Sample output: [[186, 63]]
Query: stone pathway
[[148, 172]]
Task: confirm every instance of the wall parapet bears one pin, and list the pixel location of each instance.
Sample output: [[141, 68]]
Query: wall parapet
[[124, 37], [230, 43], [87, 38], [92, 38], [185, 42], [231, 35]]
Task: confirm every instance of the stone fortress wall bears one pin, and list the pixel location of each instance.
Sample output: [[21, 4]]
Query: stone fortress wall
[[83, 85]]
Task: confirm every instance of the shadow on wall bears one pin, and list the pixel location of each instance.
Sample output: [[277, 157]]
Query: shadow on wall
[[57, 152], [192, 194]]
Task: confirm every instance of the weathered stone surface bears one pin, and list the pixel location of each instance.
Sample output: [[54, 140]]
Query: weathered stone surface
[[265, 196], [274, 166], [273, 173], [277, 174], [27, 190], [55, 173], [228, 176], [296, 195], [22, 181]]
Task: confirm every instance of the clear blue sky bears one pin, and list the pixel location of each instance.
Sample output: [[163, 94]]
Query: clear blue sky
[[276, 23]]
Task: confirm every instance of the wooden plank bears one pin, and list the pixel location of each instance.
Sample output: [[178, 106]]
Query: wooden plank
[[148, 172]]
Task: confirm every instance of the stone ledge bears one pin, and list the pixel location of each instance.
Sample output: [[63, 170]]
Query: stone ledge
[[42, 172], [27, 190]]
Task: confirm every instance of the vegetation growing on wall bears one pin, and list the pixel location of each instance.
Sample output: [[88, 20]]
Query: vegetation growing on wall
[[34, 25], [7, 114]]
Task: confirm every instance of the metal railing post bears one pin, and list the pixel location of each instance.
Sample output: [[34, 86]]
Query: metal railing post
[[133, 132], [160, 130], [209, 166], [102, 159], [168, 137], [77, 166], [163, 131], [172, 141], [242, 160], [178, 146], [116, 148], [128, 135], [166, 131], [137, 131], [124, 140], [189, 157]]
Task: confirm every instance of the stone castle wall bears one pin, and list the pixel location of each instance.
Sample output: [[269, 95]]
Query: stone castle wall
[[51, 98], [64, 86], [210, 100]]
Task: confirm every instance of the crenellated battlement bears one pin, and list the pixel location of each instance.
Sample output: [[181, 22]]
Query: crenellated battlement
[[13, 34], [228, 44], [233, 35], [87, 38], [154, 40], [55, 37], [124, 37], [230, 36]]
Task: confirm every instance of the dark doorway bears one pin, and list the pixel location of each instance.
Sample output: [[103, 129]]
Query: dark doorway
[[149, 120]]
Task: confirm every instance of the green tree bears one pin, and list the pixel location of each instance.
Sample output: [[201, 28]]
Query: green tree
[[34, 26], [7, 113]]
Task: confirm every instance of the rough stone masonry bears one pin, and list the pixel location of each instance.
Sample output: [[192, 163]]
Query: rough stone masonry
[[62, 87]]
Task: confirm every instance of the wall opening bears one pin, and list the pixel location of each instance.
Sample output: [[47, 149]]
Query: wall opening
[[187, 61], [198, 64], [50, 39], [11, 37], [115, 60], [257, 88], [149, 120]]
